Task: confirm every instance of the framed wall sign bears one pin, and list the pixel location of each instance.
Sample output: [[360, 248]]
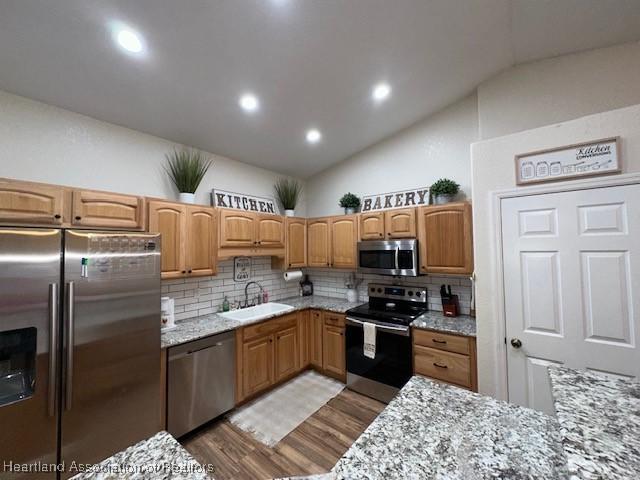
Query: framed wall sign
[[600, 157], [405, 198], [241, 201], [242, 269]]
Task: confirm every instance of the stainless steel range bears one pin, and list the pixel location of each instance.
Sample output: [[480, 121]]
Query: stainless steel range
[[391, 309]]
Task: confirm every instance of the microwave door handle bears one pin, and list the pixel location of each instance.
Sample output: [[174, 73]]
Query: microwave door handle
[[397, 258]]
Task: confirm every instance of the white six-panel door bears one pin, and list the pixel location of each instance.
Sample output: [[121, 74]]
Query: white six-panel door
[[572, 286]]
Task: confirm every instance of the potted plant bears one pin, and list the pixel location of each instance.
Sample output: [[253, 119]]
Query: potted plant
[[350, 203], [288, 191], [444, 190], [187, 168]]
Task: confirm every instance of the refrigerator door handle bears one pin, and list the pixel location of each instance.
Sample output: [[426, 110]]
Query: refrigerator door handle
[[53, 346], [70, 299]]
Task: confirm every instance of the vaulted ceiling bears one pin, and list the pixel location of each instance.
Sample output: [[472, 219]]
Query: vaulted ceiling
[[311, 64]]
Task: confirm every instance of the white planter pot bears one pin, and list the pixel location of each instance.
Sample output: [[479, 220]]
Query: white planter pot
[[289, 213], [442, 199], [187, 197], [349, 211]]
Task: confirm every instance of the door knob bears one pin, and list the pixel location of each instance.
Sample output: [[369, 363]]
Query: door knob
[[516, 343]]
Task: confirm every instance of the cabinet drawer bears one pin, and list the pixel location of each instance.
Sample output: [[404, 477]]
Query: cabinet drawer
[[447, 366], [442, 341], [333, 319], [269, 326]]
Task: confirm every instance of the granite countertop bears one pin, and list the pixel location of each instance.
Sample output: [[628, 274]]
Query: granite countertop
[[157, 458], [599, 421], [432, 430], [198, 327], [434, 320]]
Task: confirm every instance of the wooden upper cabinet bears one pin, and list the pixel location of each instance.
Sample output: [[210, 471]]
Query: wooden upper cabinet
[[269, 230], [372, 226], [237, 228], [287, 354], [201, 241], [169, 220], [24, 202], [400, 223], [344, 236], [107, 210], [445, 238], [296, 255], [318, 242]]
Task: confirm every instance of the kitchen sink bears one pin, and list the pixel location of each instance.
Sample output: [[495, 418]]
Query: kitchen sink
[[251, 314]]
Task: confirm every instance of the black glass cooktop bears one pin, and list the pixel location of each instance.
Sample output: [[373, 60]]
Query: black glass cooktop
[[400, 313]]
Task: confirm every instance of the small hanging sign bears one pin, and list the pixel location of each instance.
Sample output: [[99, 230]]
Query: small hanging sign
[[242, 269], [405, 198], [240, 201], [600, 157]]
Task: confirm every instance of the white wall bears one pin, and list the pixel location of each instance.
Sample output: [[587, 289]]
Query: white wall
[[559, 89], [493, 169], [416, 157], [43, 143]]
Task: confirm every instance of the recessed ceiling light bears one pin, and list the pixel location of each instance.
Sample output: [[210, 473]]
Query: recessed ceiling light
[[249, 102], [314, 136], [381, 92], [130, 41]]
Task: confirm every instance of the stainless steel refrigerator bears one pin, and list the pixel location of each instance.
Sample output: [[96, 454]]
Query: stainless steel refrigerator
[[79, 345]]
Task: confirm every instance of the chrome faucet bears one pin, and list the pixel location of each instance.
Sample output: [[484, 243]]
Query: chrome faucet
[[246, 293]]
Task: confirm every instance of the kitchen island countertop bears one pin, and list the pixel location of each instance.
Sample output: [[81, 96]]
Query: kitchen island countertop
[[160, 457]]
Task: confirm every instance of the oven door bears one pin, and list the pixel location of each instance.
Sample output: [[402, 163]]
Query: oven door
[[389, 257], [380, 377]]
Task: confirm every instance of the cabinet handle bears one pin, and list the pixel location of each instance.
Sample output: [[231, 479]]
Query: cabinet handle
[[189, 271], [184, 271], [439, 365], [57, 215], [443, 342], [271, 340], [78, 217], [381, 234]]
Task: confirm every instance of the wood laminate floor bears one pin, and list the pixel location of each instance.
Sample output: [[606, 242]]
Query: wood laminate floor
[[313, 447]]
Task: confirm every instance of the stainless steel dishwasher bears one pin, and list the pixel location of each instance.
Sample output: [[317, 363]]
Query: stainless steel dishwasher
[[201, 382]]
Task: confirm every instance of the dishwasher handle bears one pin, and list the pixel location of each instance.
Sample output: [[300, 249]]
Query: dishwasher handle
[[188, 353], [191, 348]]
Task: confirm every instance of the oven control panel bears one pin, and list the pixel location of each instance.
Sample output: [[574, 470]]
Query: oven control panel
[[411, 293]]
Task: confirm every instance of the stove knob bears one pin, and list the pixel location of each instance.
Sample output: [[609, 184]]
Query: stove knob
[[418, 294], [379, 290], [373, 290], [411, 293]]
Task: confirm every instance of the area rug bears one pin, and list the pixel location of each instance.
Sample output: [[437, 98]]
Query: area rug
[[271, 417]]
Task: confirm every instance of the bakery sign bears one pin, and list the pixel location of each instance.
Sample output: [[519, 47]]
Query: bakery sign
[[240, 201], [405, 198], [601, 157]]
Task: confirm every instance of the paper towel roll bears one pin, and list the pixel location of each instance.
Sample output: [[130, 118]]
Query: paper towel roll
[[293, 275]]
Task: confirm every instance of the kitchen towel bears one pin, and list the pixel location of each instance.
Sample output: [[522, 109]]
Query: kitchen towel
[[369, 347]]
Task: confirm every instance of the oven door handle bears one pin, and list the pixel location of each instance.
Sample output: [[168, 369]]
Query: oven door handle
[[383, 328]]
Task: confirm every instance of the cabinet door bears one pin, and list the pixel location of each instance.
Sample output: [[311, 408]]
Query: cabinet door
[[318, 238], [169, 220], [400, 223], [269, 230], [296, 243], [201, 250], [237, 228], [333, 351], [315, 339], [304, 339], [344, 235], [372, 226], [23, 202], [445, 237], [287, 353], [107, 210], [257, 365]]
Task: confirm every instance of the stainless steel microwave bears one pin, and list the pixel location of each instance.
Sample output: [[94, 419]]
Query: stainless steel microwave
[[389, 257]]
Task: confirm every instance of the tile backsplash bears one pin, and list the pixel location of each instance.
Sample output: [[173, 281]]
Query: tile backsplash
[[203, 295], [330, 283]]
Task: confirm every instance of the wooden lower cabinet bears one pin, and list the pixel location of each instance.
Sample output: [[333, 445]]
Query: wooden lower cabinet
[[333, 352], [257, 361], [315, 338], [287, 353], [444, 357]]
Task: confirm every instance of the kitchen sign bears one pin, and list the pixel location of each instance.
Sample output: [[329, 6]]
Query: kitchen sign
[[601, 157], [406, 198], [240, 201], [242, 269]]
